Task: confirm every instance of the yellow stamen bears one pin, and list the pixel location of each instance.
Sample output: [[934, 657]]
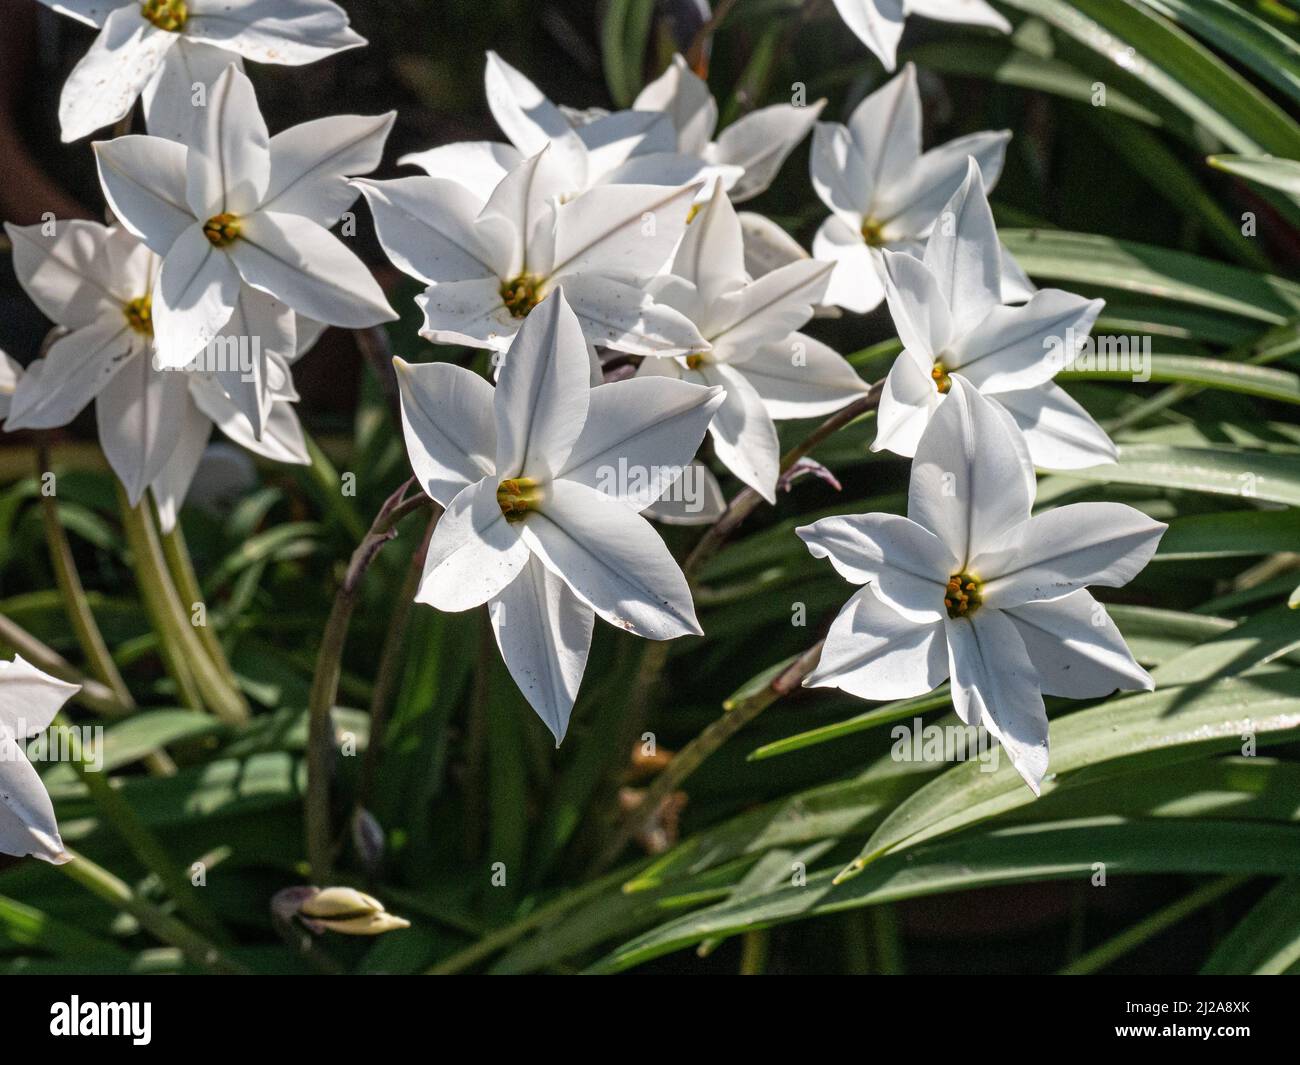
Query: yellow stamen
[[695, 360], [520, 295], [516, 496], [170, 15], [942, 381], [139, 315], [690, 215], [873, 232], [222, 229], [962, 597]]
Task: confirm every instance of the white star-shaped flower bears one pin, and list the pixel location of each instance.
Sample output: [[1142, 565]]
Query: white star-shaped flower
[[163, 48], [29, 699], [588, 149], [879, 23], [96, 282], [488, 264], [970, 586], [749, 152], [885, 193], [543, 480], [948, 312], [238, 207], [767, 368]]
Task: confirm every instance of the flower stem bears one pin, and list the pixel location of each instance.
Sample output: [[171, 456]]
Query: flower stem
[[181, 568], [327, 479], [195, 946], [200, 682], [325, 680]]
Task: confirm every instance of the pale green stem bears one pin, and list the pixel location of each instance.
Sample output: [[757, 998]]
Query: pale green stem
[[327, 477], [158, 923], [753, 952], [181, 568]]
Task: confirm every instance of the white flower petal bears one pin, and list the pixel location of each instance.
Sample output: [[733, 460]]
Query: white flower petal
[[971, 475], [311, 164], [625, 317], [478, 166], [1014, 348], [27, 822], [800, 377], [855, 282], [170, 110], [685, 98], [995, 684], [282, 437], [1061, 435], [289, 32], [639, 436], [474, 553], [711, 255], [907, 402], [767, 309], [544, 633], [306, 267], [912, 207], [1067, 548], [744, 438], [877, 23], [695, 498], [761, 142], [139, 417], [67, 274], [522, 206], [542, 395], [193, 298], [529, 120], [29, 699], [91, 12], [104, 85], [614, 140], [964, 256], [766, 244], [908, 564], [840, 175], [73, 372], [971, 12], [144, 182], [172, 484], [917, 305], [613, 560], [873, 652], [467, 312], [627, 230], [885, 130], [260, 329], [229, 160], [1076, 649], [448, 422]]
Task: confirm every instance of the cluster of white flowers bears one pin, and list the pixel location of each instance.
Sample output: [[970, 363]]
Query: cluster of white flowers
[[629, 310]]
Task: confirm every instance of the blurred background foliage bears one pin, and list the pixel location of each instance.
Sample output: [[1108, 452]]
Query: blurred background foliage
[[1201, 845]]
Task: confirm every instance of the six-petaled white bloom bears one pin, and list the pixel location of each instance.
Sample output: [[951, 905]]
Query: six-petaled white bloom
[[749, 152], [879, 23], [587, 149], [544, 479], [165, 48], [885, 193], [238, 207], [95, 283], [767, 368], [29, 699], [969, 585], [488, 264], [948, 312]]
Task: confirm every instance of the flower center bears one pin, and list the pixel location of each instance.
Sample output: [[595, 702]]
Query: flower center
[[873, 232], [695, 360], [170, 15], [942, 382], [516, 496], [962, 596], [520, 295], [222, 229], [690, 215], [139, 315]]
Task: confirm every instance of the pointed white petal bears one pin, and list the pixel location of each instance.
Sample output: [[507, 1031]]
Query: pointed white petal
[[995, 684], [260, 329], [800, 377], [886, 134], [972, 12], [1067, 548], [170, 108], [426, 226], [1061, 435], [695, 498], [544, 633], [73, 372], [29, 699], [467, 312], [907, 402], [139, 417], [964, 256], [282, 438], [1076, 648], [613, 560], [873, 652], [913, 206], [615, 139], [1016, 286], [839, 173], [144, 182], [91, 12], [193, 298], [291, 32], [311, 164], [908, 565], [229, 161], [744, 438], [474, 553], [306, 267], [761, 142], [624, 230], [685, 98], [971, 475], [104, 85], [1022, 347], [766, 244], [767, 309], [877, 23], [625, 317], [639, 436], [478, 166], [27, 822], [523, 201], [711, 255], [447, 419], [542, 395], [529, 120], [855, 282], [172, 484], [67, 274], [917, 305]]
